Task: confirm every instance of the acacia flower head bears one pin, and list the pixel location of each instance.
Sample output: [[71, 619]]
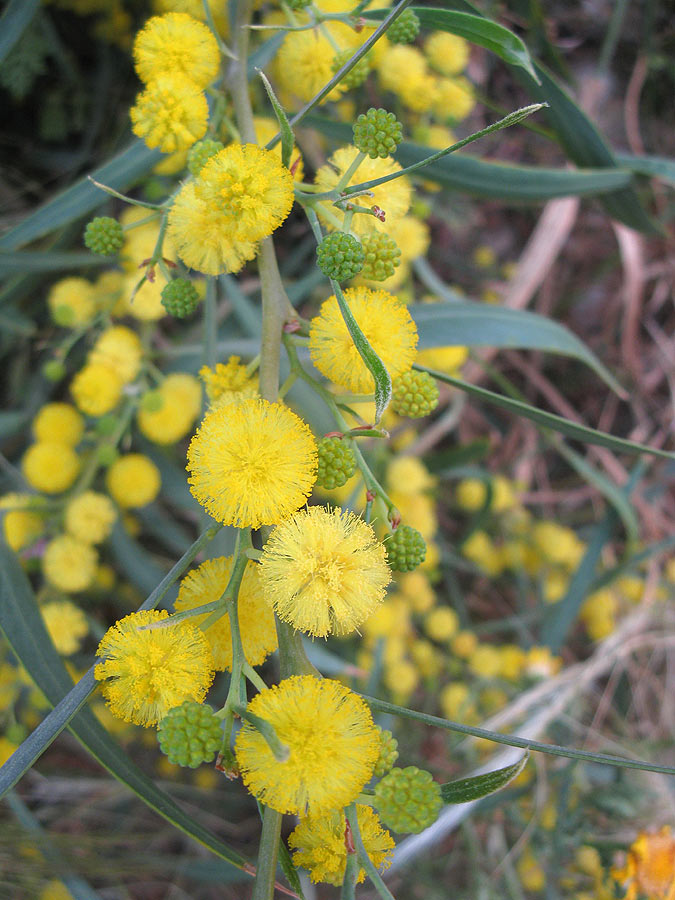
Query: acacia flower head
[[332, 742], [147, 671], [324, 571], [227, 382], [171, 113], [252, 463], [178, 43], [319, 845], [387, 325], [256, 619]]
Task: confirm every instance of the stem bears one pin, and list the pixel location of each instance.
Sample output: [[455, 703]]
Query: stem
[[364, 860], [210, 324], [237, 76], [347, 177], [267, 855]]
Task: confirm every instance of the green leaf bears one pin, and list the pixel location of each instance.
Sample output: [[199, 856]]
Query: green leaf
[[549, 420], [83, 197], [24, 629], [16, 17], [373, 362], [512, 740], [653, 166], [287, 137], [475, 29], [23, 263], [464, 790], [137, 564], [481, 325], [500, 181]]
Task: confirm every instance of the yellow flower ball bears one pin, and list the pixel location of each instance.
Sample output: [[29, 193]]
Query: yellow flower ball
[[170, 114], [179, 397], [393, 196], [144, 302], [409, 475], [331, 745], [119, 348], [324, 571], [96, 389], [90, 517], [443, 359], [227, 382], [418, 511], [252, 463], [479, 548], [195, 8], [417, 589], [133, 480], [401, 678], [58, 422], [441, 623], [67, 625], [21, 525], [50, 467], [455, 701], [513, 661], [305, 63], [69, 564], [447, 53], [463, 644], [485, 661], [72, 302], [453, 99], [401, 64], [206, 584], [385, 322], [176, 43]]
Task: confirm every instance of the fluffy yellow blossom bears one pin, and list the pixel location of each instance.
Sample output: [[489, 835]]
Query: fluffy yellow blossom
[[252, 463], [480, 549], [453, 99], [441, 623], [143, 302], [67, 625], [331, 741], [416, 588], [385, 322], [199, 231], [133, 480], [455, 701], [418, 511], [557, 543], [540, 663], [50, 467], [96, 389], [463, 644], [265, 130], [195, 8], [58, 422], [228, 381], [319, 846], [485, 661], [176, 43], [120, 348], [69, 564], [248, 188], [324, 571], [170, 114], [256, 620], [472, 494], [393, 196], [400, 64], [171, 414], [146, 670], [513, 661], [305, 63], [409, 475], [90, 517], [72, 302], [443, 359], [21, 525], [401, 678], [649, 870], [447, 53], [532, 876]]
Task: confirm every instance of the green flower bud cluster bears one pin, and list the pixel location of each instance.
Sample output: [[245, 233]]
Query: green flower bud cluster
[[406, 549], [190, 734], [357, 74], [408, 800], [388, 752], [104, 236], [414, 394], [200, 153], [340, 256], [180, 298], [383, 256], [337, 463], [377, 133], [405, 29]]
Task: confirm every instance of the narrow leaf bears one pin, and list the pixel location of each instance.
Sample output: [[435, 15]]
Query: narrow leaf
[[287, 137], [16, 17], [549, 420], [653, 166], [24, 629], [11, 263], [512, 740], [481, 325], [495, 180], [373, 362], [464, 790]]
